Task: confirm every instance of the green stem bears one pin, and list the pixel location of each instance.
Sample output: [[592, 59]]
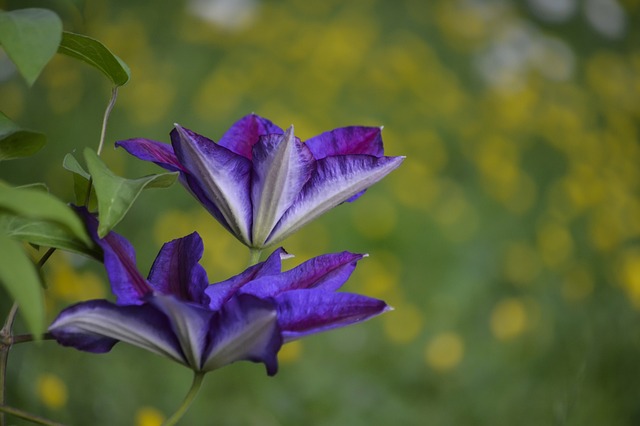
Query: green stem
[[254, 255], [193, 391], [5, 345], [24, 338], [107, 113], [28, 416]]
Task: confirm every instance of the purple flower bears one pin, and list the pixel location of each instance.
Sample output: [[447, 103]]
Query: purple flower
[[263, 183], [177, 314]]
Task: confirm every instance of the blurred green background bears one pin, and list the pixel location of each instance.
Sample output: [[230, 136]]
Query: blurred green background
[[507, 242]]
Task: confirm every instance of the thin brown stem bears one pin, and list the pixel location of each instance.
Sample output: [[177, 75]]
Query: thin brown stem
[[28, 416]]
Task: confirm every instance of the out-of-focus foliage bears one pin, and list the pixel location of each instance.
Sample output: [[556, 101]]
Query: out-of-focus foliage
[[507, 241]]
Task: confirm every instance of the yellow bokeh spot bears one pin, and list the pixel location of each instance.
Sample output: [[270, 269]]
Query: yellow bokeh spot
[[403, 324], [508, 319], [444, 352], [69, 285], [554, 243], [521, 263], [578, 283], [52, 391], [171, 225], [628, 274], [376, 279], [149, 416], [290, 352]]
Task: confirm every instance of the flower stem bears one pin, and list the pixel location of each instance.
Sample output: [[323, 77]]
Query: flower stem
[[254, 255], [193, 391], [28, 416], [107, 113]]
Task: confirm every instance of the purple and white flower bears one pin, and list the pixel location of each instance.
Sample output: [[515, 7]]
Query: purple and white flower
[[261, 182], [175, 313]]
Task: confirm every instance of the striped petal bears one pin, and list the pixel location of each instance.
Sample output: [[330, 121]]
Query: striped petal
[[327, 272], [246, 328], [246, 132], [304, 312], [220, 292], [221, 175], [281, 167], [148, 150], [190, 323], [336, 180], [347, 140], [127, 283], [176, 270], [95, 326]]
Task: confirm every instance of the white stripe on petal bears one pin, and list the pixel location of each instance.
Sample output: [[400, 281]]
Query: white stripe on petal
[[223, 176], [140, 326], [190, 323], [281, 166], [336, 180]]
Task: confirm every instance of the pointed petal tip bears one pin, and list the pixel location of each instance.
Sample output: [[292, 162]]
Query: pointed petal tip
[[388, 308]]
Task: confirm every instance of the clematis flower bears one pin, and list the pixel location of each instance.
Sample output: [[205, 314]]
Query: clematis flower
[[177, 314], [262, 183]]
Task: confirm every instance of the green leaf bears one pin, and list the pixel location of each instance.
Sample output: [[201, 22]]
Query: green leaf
[[19, 276], [35, 204], [81, 183], [94, 53], [16, 142], [115, 194], [42, 233], [30, 37]]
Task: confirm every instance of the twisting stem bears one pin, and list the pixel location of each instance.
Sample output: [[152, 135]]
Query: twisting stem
[[28, 416], [5, 345], [107, 113], [193, 391], [6, 340], [254, 255]]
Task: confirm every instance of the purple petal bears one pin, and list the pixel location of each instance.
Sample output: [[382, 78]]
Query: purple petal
[[347, 140], [176, 270], [246, 132], [219, 293], [222, 176], [127, 283], [190, 323], [246, 328], [327, 272], [304, 312], [336, 180], [95, 326], [281, 166], [148, 150]]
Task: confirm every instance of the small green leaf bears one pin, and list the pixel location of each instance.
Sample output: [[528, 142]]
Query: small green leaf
[[94, 53], [19, 276], [30, 37], [35, 204], [42, 233], [16, 142], [81, 183], [115, 194], [70, 163]]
